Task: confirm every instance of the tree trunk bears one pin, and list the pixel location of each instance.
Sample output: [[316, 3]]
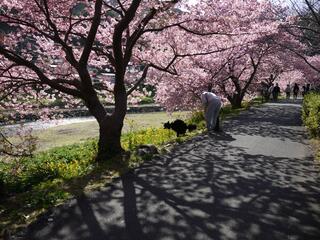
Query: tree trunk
[[236, 100], [110, 126], [109, 144]]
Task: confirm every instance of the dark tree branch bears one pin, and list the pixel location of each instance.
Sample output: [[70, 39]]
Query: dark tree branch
[[302, 56], [14, 88], [121, 6], [21, 61], [139, 81], [92, 34], [312, 10], [114, 9], [117, 36], [136, 35]]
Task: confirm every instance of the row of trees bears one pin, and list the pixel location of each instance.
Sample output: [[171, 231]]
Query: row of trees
[[181, 47]]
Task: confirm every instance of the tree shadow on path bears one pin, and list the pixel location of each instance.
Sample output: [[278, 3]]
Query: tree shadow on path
[[216, 186]]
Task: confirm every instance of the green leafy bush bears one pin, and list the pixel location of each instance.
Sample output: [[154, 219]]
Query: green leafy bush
[[147, 100], [2, 184], [57, 103], [196, 118], [68, 162], [22, 174], [311, 113], [155, 136]]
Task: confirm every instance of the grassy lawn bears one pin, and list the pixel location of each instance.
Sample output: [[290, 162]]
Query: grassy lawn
[[80, 132]]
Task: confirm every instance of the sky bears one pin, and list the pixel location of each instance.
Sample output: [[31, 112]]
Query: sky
[[285, 2]]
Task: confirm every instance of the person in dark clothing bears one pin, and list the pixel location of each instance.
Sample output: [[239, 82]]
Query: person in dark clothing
[[304, 90], [308, 88], [276, 92], [295, 91]]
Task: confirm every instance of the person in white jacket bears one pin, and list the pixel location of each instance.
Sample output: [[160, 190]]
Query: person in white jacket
[[212, 105]]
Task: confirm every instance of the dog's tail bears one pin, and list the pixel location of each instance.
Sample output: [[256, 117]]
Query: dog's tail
[[192, 127]]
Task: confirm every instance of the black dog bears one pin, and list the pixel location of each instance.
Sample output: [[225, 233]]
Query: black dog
[[179, 126]]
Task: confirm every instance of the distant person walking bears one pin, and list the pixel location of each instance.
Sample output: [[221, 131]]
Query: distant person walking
[[276, 92], [295, 91], [270, 90], [304, 90], [212, 105], [288, 91], [264, 92], [308, 88]]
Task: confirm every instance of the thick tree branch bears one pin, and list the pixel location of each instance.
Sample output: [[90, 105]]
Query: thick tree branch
[[121, 6], [136, 35], [117, 36], [92, 34], [312, 10], [21, 61]]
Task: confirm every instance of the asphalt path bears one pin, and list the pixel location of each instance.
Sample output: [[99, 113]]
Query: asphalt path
[[255, 180]]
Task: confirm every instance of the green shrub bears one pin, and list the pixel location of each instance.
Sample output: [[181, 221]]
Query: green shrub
[[311, 113], [154, 136], [20, 175], [2, 184], [46, 194], [196, 118], [147, 100], [67, 162], [57, 103]]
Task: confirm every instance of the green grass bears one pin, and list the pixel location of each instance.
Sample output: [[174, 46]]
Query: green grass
[[227, 111], [80, 132], [32, 185]]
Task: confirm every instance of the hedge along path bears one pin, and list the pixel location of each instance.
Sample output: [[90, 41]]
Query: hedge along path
[[311, 113]]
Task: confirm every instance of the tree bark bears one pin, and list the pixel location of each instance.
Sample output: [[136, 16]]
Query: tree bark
[[110, 126], [109, 144], [236, 100]]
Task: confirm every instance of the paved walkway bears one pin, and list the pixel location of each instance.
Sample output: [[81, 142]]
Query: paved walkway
[[256, 180]]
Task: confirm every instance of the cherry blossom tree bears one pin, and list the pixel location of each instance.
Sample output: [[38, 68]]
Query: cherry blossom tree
[[57, 48], [250, 52], [305, 27], [60, 49]]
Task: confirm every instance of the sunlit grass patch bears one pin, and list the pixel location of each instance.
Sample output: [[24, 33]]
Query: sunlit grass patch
[[155, 136]]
